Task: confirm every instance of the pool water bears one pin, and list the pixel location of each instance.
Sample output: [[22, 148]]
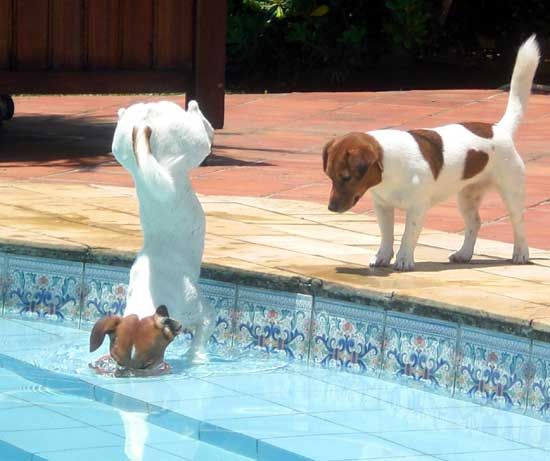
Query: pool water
[[52, 406]]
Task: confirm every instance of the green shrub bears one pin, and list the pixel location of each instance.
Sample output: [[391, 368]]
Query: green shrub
[[313, 43]]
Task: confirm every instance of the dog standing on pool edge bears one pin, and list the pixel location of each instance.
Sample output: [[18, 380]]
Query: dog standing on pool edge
[[159, 143], [413, 170]]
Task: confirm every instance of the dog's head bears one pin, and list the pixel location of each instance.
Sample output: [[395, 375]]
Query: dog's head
[[137, 344], [354, 164], [178, 139]]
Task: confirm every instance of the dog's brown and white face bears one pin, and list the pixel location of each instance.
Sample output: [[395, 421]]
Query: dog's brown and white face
[[137, 344], [354, 164]]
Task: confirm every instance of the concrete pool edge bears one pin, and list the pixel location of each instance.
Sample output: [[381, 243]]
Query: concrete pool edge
[[317, 287]]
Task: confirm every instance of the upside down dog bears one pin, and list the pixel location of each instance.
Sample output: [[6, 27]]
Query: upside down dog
[[413, 170], [159, 143]]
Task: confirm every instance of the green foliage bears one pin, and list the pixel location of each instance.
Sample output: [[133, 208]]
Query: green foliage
[[291, 38], [303, 42], [407, 24]]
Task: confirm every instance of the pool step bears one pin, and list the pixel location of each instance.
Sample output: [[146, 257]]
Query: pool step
[[67, 392], [40, 424]]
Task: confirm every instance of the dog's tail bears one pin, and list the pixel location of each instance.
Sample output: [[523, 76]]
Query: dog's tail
[[527, 61], [155, 176]]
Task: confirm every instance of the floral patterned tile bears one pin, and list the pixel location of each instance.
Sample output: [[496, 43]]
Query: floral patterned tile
[[273, 321], [104, 292], [4, 279], [347, 336], [221, 296], [420, 352], [43, 289], [492, 369], [538, 379]]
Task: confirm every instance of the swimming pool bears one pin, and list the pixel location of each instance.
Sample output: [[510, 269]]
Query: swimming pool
[[293, 376]]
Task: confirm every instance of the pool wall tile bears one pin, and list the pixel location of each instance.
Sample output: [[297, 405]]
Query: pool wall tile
[[173, 421], [275, 322], [234, 442], [486, 367], [420, 352], [4, 279], [270, 452], [346, 336], [538, 379], [59, 381], [120, 401], [104, 292], [12, 453], [43, 289], [221, 296], [492, 368]]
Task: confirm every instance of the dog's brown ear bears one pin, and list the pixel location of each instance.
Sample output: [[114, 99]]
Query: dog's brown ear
[[366, 161], [106, 325], [325, 154], [162, 311], [141, 141], [358, 161], [366, 153]]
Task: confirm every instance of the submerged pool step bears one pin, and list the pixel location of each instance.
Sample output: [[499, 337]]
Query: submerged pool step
[[256, 410], [40, 424], [65, 395]]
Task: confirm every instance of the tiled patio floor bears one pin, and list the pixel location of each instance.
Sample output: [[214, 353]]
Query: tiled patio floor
[[271, 144], [290, 238]]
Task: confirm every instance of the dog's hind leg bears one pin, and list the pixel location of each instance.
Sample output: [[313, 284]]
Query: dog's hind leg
[[469, 200], [511, 186], [385, 216]]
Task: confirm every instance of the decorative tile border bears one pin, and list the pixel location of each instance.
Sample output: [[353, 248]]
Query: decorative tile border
[[347, 336], [275, 322], [4, 279], [504, 371], [538, 379], [104, 292], [420, 352], [492, 369], [41, 288], [221, 296]]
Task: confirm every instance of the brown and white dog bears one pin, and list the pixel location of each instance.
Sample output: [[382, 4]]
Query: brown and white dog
[[136, 343], [413, 170]]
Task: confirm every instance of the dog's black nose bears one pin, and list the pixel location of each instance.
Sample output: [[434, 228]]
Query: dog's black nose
[[332, 207]]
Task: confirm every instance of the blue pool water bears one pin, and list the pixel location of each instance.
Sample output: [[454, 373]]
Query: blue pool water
[[53, 407]]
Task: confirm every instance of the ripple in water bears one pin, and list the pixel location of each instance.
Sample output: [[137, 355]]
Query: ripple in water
[[74, 358]]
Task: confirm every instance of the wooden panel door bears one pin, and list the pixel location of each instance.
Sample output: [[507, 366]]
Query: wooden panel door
[[31, 34], [67, 34], [137, 34], [5, 33], [102, 34], [173, 41]]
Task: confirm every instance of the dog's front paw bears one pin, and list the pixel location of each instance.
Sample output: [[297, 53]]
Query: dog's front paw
[[195, 357], [460, 256], [520, 255], [404, 263], [382, 259]]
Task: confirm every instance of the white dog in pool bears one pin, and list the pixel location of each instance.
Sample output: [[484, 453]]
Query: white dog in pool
[[158, 143]]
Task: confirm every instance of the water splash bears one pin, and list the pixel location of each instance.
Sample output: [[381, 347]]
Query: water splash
[[70, 356]]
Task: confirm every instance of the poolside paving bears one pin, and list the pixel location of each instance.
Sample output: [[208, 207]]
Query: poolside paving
[[289, 238], [265, 194]]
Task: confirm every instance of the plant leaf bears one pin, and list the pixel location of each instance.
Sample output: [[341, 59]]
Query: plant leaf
[[320, 10]]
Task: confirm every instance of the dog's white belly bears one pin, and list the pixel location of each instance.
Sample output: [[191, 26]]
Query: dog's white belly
[[155, 282]]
